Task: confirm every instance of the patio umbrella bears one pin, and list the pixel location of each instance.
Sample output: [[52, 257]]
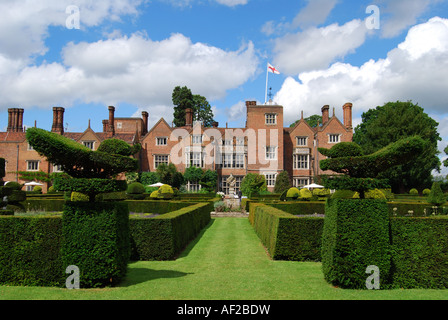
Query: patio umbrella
[[33, 183], [313, 185], [158, 184]]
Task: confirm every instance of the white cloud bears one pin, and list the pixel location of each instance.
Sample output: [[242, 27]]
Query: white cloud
[[24, 24], [133, 69], [409, 72], [312, 15], [232, 3], [398, 15], [316, 48], [315, 13]]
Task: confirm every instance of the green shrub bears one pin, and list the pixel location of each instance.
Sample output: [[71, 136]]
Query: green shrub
[[293, 193], [14, 185], [413, 191], [154, 194], [426, 192], [282, 182], [419, 252], [436, 196], [343, 194], [288, 237], [96, 240], [355, 236], [165, 236], [135, 188], [30, 251], [37, 189], [300, 207], [305, 194]]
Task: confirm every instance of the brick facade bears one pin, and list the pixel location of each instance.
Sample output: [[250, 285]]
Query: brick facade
[[263, 146]]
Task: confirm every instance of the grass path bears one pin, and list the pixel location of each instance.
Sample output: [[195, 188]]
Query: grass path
[[226, 261]]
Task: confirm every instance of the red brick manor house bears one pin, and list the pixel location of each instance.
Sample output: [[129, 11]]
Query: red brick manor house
[[263, 146]]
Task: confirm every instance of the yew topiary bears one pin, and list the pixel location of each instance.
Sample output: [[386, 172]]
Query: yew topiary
[[361, 171]]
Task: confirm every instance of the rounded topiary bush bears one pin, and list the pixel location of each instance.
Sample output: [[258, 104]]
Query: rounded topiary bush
[[166, 192], [305, 194], [426, 192], [293, 193], [37, 189], [413, 191], [154, 194], [14, 185], [135, 188], [343, 194]]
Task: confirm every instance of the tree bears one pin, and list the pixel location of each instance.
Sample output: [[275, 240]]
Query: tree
[[445, 162], [362, 171], [392, 122], [313, 121], [282, 182], [436, 195], [168, 174], [253, 183], [202, 111], [183, 99]]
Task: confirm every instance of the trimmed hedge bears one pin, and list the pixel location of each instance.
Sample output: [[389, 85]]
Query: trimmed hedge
[[419, 252], [355, 236], [163, 237], [30, 251], [44, 205], [155, 206], [300, 207], [96, 240], [285, 236]]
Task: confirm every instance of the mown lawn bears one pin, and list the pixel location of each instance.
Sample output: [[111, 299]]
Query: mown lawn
[[225, 262]]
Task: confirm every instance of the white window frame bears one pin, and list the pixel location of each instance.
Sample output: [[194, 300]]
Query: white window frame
[[270, 118], [300, 182], [300, 139], [196, 139], [87, 142], [57, 168], [119, 125], [161, 141], [332, 137], [271, 153], [270, 178], [158, 161], [301, 161], [30, 163]]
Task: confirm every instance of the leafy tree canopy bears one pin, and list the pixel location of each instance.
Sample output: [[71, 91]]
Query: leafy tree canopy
[[183, 99], [282, 182], [392, 122], [75, 159]]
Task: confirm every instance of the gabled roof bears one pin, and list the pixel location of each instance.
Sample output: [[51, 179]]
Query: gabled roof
[[12, 136], [333, 118]]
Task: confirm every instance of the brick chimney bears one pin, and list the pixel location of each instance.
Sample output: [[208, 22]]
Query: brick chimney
[[15, 120], [347, 108], [111, 127], [105, 125], [145, 116], [58, 120], [325, 114], [189, 117]]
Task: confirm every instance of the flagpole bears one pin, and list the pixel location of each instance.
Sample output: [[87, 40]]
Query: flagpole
[[266, 92]]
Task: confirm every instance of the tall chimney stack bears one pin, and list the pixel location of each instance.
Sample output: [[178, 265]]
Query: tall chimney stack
[[325, 114], [189, 117], [15, 120], [347, 108], [145, 122], [112, 119], [58, 120]]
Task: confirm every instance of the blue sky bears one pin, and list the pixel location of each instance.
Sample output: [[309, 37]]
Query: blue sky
[[132, 53]]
